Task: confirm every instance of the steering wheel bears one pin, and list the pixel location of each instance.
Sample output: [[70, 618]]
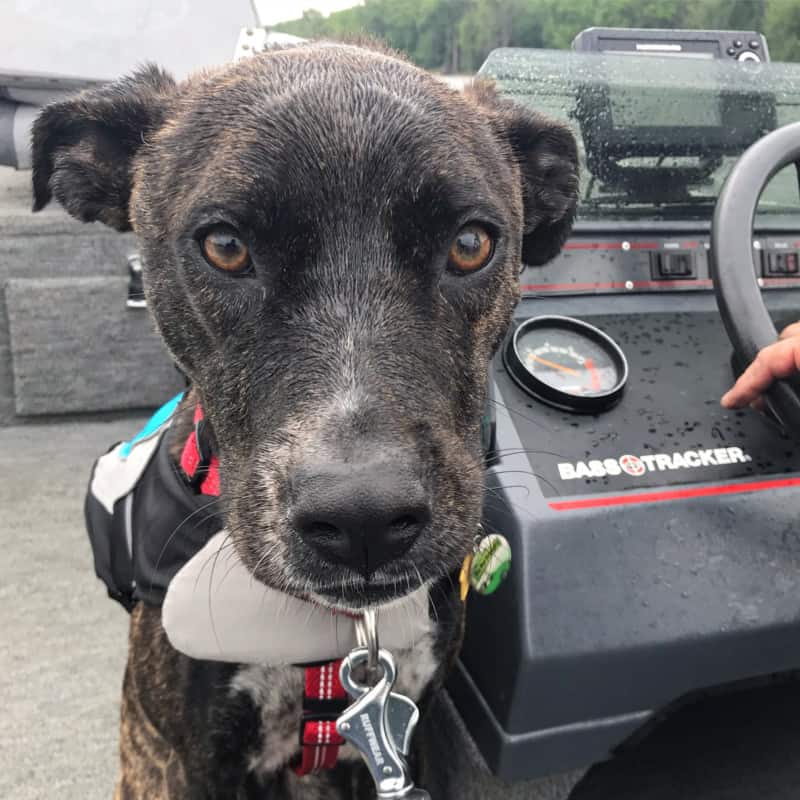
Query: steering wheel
[[736, 286]]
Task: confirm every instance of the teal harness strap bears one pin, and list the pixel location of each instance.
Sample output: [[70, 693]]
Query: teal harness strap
[[153, 425]]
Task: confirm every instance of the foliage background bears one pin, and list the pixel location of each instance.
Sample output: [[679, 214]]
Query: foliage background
[[456, 35]]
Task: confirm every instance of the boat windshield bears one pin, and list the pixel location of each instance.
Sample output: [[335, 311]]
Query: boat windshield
[[658, 135]]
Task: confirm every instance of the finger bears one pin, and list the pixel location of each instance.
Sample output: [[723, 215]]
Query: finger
[[779, 360], [790, 330]]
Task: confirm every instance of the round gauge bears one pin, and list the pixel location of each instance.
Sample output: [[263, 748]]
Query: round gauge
[[567, 363]]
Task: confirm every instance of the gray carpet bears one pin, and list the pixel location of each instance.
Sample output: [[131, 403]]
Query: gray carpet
[[62, 647], [62, 652]]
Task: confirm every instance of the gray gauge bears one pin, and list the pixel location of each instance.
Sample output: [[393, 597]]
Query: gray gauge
[[567, 363]]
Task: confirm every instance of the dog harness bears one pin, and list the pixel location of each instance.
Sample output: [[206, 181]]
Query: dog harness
[[148, 522], [324, 697]]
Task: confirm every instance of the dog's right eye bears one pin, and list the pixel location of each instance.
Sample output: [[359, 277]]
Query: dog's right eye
[[224, 249], [472, 249]]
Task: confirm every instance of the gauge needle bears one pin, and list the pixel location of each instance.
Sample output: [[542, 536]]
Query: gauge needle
[[595, 376], [553, 364]]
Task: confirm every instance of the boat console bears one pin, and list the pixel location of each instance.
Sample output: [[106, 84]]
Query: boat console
[[654, 533]]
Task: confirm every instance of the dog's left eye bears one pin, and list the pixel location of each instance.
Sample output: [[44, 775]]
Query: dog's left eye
[[224, 249], [472, 249]]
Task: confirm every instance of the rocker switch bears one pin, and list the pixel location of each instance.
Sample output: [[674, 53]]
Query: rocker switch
[[671, 265], [780, 263]]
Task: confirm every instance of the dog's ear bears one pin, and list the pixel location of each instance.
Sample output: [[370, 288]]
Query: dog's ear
[[83, 148], [548, 159], [547, 155]]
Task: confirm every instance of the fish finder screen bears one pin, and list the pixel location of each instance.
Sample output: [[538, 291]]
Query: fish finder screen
[[657, 136], [662, 51], [685, 47], [645, 109]]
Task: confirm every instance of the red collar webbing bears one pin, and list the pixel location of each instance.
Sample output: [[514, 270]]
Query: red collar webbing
[[324, 697], [200, 467]]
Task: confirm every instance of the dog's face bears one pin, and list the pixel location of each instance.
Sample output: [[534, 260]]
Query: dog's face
[[332, 241]]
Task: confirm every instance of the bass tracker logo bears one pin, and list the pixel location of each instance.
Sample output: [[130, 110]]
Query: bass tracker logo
[[637, 466]]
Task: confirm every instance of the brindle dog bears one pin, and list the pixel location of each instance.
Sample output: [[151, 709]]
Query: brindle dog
[[332, 241]]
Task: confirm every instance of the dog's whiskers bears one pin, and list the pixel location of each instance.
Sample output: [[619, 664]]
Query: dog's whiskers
[[180, 525], [518, 413], [513, 451], [227, 541]]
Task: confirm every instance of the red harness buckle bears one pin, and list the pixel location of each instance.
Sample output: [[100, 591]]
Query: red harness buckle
[[324, 699]]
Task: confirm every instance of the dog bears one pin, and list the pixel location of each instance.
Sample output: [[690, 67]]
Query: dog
[[332, 240]]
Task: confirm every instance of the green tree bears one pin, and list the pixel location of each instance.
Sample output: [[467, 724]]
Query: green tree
[[488, 24], [563, 19], [457, 35], [746, 15], [782, 29]]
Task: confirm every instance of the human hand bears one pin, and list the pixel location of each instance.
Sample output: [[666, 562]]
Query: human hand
[[778, 360]]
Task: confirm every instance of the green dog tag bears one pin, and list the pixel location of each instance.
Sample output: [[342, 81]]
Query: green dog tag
[[490, 564]]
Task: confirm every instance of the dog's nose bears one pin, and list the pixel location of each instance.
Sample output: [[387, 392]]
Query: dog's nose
[[362, 517]]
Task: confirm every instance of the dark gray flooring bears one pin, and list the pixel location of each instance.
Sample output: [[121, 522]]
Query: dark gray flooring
[[62, 642], [742, 746], [62, 650]]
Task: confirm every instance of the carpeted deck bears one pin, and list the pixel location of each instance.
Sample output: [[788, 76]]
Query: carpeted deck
[[62, 646], [62, 652]]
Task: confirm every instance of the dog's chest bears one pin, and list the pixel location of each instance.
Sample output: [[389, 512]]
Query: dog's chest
[[277, 693]]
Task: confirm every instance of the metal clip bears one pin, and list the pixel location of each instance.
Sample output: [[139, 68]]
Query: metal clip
[[367, 636], [379, 724], [136, 297]]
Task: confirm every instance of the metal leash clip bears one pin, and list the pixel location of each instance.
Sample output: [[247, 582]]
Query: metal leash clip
[[380, 722]]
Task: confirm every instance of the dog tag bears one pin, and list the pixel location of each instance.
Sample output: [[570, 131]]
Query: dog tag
[[379, 724], [463, 577], [490, 564]]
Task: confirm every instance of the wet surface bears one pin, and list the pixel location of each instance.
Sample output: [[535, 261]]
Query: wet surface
[[739, 746], [679, 368]]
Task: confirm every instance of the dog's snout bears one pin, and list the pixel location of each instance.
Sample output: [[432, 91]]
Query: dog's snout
[[363, 517]]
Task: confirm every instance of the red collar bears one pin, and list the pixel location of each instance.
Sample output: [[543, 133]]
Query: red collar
[[199, 466], [324, 697]]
